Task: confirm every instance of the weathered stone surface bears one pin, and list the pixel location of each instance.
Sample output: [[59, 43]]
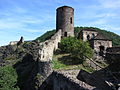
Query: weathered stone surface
[[65, 80], [48, 47], [65, 20]]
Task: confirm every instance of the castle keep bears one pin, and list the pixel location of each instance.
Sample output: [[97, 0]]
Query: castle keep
[[65, 20]]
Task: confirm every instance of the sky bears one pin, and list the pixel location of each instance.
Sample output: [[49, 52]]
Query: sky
[[32, 18]]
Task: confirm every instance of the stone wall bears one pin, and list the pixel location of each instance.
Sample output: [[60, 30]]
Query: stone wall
[[113, 54], [113, 50], [90, 34], [65, 80], [48, 47], [13, 42], [104, 43], [45, 54]]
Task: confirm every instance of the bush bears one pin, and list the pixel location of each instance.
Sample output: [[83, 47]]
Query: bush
[[76, 48], [8, 78]]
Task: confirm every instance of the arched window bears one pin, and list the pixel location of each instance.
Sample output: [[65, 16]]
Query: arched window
[[88, 37]]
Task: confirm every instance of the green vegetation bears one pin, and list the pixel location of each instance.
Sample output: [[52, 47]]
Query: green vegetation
[[71, 55], [63, 61], [46, 36], [78, 49], [8, 78]]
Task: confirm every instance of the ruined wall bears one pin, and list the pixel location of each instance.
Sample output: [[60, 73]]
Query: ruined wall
[[65, 20], [113, 50], [46, 53], [113, 54], [104, 43], [13, 42], [90, 34], [65, 81], [62, 82]]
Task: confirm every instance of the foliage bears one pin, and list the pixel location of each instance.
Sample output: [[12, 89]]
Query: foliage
[[57, 64], [77, 48], [64, 64], [8, 78], [46, 36], [67, 44]]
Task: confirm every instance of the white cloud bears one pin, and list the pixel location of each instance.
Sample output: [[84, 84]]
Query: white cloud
[[109, 3], [10, 25], [105, 15]]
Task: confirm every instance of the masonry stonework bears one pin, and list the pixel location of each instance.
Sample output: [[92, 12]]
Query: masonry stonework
[[65, 20]]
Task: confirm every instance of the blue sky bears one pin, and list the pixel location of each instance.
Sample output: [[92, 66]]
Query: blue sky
[[32, 18]]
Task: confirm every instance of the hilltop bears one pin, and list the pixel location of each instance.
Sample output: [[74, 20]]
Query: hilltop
[[114, 37], [23, 59]]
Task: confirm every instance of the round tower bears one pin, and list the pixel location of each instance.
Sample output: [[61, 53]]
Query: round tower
[[65, 20]]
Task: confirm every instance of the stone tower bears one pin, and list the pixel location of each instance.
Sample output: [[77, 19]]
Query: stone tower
[[65, 20]]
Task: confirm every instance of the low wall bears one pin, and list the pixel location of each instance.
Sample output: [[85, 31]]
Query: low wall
[[113, 54], [113, 50], [60, 81]]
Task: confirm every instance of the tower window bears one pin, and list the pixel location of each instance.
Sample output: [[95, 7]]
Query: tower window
[[71, 20]]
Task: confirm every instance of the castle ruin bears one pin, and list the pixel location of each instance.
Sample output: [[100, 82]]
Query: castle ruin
[[98, 41]]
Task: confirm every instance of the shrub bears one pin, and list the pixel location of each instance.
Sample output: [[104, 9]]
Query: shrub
[[77, 48]]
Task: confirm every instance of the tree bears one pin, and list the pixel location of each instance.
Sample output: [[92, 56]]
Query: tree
[[8, 78], [77, 48]]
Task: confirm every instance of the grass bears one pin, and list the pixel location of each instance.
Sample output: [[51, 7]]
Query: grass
[[58, 64]]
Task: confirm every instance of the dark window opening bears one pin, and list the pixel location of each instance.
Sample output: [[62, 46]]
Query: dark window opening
[[88, 37], [71, 20], [93, 35], [61, 88], [102, 48], [65, 34]]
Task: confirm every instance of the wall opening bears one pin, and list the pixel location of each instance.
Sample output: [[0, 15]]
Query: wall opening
[[65, 34], [102, 48], [71, 20], [93, 35], [88, 37]]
